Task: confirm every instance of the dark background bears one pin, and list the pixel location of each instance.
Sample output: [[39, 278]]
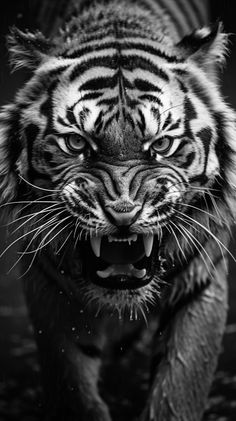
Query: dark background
[[18, 366]]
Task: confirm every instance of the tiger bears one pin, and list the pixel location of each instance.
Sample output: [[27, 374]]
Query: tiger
[[117, 168]]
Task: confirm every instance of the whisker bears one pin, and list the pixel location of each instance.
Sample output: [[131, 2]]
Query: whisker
[[40, 230], [18, 239], [177, 241], [194, 240], [201, 210], [28, 215], [209, 232], [36, 187], [42, 243], [47, 213], [63, 244]]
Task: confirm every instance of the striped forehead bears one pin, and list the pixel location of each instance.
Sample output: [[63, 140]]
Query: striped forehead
[[98, 82], [133, 82]]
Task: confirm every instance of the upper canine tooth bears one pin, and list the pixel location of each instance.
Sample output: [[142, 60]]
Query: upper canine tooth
[[148, 243], [96, 245]]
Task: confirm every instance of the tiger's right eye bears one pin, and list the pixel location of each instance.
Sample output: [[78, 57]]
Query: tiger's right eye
[[75, 143], [72, 144]]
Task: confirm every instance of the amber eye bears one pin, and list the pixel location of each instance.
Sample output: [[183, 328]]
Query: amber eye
[[75, 143], [162, 145]]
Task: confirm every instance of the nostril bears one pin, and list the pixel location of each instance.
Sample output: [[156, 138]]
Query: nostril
[[121, 217]]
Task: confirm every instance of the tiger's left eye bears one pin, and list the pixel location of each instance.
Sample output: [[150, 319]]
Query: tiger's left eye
[[162, 145], [75, 143]]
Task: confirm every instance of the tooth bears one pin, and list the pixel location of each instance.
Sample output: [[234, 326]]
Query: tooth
[[148, 243], [105, 273], [128, 270], [139, 273], [96, 245]]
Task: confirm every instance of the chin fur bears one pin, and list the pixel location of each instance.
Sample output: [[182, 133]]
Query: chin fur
[[131, 303]]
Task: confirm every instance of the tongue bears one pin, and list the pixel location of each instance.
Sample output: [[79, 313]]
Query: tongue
[[122, 253], [128, 270]]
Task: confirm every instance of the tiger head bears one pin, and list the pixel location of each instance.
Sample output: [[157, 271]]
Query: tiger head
[[116, 146]]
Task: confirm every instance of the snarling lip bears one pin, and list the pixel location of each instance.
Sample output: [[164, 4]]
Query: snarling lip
[[118, 261]]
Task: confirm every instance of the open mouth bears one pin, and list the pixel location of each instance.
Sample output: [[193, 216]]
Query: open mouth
[[118, 261]]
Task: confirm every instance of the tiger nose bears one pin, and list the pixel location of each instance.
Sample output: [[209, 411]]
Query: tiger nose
[[123, 218]]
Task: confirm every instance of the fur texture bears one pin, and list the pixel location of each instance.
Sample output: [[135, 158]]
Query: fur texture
[[117, 165]]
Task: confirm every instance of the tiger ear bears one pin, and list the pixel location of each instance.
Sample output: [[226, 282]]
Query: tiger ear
[[27, 49], [206, 46]]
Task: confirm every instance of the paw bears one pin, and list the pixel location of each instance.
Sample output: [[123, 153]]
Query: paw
[[99, 412]]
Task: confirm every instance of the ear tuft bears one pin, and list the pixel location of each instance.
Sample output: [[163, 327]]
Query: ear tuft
[[27, 49], [208, 46]]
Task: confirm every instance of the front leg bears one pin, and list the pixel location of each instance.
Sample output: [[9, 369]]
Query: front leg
[[70, 375], [180, 388], [70, 343]]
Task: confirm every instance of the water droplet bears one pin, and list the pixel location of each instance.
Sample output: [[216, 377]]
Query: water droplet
[[60, 292], [73, 329], [62, 350], [81, 311], [40, 332], [62, 272]]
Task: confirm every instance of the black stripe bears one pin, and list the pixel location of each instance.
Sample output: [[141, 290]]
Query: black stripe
[[70, 116], [105, 61], [99, 119], [152, 50], [151, 98], [167, 121], [128, 63], [145, 85], [200, 92], [175, 125], [109, 101], [190, 111], [83, 115], [131, 103], [133, 62], [142, 122], [111, 187], [62, 122], [90, 96], [205, 135], [101, 82], [126, 45]]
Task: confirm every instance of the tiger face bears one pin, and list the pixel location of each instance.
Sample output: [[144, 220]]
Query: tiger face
[[125, 140]]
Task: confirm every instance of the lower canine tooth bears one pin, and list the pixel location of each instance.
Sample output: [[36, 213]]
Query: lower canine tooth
[[96, 245], [148, 243]]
